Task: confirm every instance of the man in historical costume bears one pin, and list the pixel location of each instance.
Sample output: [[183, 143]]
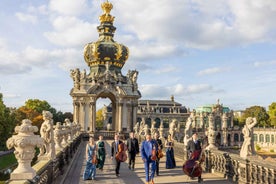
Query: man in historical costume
[[160, 147], [194, 145], [133, 149], [149, 150], [114, 151]]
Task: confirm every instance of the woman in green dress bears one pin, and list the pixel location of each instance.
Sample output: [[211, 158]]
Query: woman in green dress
[[101, 153]]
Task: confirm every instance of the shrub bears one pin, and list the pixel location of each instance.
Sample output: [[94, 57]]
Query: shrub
[[258, 148]]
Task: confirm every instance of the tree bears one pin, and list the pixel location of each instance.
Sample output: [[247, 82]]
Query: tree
[[99, 118], [38, 105], [259, 113], [7, 123], [272, 113]]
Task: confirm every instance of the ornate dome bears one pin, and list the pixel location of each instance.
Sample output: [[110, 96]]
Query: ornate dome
[[106, 50]]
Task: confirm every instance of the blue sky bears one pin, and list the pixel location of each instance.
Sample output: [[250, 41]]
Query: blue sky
[[198, 51]]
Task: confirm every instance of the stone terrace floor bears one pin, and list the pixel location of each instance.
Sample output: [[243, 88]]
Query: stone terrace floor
[[73, 174]]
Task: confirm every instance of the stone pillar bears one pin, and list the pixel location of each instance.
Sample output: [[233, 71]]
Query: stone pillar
[[24, 143], [76, 112], [92, 118], [211, 132], [134, 112], [82, 116], [120, 116]]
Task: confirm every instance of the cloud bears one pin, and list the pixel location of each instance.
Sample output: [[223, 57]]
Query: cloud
[[203, 25], [71, 32], [11, 95], [160, 92], [214, 70], [65, 7], [26, 17], [264, 63]]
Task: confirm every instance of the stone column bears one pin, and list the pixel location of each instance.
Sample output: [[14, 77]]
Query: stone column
[[82, 116], [24, 144], [76, 111], [120, 116], [92, 119]]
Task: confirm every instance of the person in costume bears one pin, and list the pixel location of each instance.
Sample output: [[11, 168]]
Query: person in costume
[[101, 153], [90, 152]]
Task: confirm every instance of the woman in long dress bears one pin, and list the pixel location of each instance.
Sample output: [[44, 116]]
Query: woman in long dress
[[90, 169], [170, 161], [101, 153]]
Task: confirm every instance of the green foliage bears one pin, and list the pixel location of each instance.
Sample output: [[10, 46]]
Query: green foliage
[[272, 113], [7, 123], [258, 148], [7, 160], [99, 118], [259, 113], [38, 105], [271, 150]]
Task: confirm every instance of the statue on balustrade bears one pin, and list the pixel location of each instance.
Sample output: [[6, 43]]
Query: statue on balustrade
[[47, 134], [173, 128], [188, 131], [248, 143], [136, 128]]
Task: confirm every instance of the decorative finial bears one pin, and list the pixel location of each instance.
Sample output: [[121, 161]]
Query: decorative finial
[[107, 7]]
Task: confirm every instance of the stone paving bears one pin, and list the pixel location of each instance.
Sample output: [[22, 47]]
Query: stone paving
[[107, 176]]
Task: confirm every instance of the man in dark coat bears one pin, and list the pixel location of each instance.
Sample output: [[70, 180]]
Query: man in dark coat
[[160, 147], [193, 145], [114, 151], [133, 149]]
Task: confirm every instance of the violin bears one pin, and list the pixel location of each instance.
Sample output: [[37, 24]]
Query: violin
[[121, 155], [153, 154]]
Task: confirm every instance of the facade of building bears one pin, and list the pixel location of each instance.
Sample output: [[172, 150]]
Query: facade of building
[[265, 138], [105, 58], [155, 111], [220, 119]]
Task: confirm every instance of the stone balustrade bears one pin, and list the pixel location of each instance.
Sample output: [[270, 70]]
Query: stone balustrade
[[238, 170], [65, 138]]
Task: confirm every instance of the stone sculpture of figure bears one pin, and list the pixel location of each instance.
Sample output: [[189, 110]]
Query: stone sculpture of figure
[[188, 130], [153, 129], [248, 143], [173, 128], [142, 124], [69, 125], [47, 134], [58, 135], [146, 129], [83, 76], [75, 75], [136, 128]]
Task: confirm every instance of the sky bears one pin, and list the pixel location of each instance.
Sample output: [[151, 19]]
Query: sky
[[198, 51]]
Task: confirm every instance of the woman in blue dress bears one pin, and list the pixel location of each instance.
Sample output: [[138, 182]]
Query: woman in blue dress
[[90, 169], [170, 161]]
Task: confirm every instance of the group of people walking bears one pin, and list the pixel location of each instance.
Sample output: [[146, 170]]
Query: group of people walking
[[150, 150]]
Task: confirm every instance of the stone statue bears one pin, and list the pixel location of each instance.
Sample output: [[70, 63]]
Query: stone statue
[[153, 129], [173, 128], [47, 134], [83, 76], [58, 135], [24, 144], [248, 143], [136, 128], [75, 75], [188, 130]]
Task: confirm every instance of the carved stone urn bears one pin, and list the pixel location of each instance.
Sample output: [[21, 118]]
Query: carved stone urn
[[24, 144]]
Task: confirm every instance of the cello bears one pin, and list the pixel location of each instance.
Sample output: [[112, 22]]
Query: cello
[[121, 155], [192, 167]]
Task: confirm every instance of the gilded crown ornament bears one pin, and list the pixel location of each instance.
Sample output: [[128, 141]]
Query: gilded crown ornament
[[105, 49]]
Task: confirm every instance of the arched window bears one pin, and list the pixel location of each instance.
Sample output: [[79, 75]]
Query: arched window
[[272, 138], [236, 137], [255, 138], [261, 138], [241, 137], [157, 125], [267, 138]]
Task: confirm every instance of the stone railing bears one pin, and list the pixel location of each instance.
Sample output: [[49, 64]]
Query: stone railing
[[238, 170], [57, 143]]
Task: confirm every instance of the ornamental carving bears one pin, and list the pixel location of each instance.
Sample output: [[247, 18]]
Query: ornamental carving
[[24, 144]]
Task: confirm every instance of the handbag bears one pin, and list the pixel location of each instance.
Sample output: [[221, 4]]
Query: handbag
[[94, 159]]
